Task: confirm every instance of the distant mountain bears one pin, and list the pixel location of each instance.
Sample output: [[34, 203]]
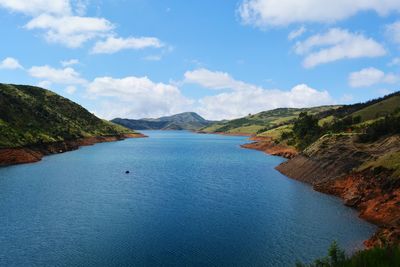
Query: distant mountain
[[31, 116], [182, 121]]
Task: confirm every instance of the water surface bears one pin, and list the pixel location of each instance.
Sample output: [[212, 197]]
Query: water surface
[[189, 200]]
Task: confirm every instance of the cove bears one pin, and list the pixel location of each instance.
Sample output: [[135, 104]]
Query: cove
[[189, 200]]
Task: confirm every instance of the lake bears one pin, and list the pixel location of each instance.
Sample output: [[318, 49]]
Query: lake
[[189, 200]]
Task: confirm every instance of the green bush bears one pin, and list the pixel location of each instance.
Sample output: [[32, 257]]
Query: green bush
[[376, 257]]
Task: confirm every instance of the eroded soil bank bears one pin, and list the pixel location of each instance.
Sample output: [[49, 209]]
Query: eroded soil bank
[[34, 153]]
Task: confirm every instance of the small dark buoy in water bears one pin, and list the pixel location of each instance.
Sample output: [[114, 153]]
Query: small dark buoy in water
[[127, 172]]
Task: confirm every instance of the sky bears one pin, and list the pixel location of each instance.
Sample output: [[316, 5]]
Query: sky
[[222, 59]]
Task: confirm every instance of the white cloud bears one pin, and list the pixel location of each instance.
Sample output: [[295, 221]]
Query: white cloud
[[136, 97], [112, 44], [370, 76], [337, 44], [71, 62], [10, 63], [36, 7], [70, 89], [71, 31], [264, 13], [63, 22], [297, 33], [393, 32], [244, 98], [60, 76], [215, 80]]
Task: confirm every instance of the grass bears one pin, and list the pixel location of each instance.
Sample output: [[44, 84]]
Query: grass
[[390, 161], [276, 133], [379, 109]]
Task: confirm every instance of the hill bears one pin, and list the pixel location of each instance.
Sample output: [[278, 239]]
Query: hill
[[182, 121], [38, 118], [262, 121]]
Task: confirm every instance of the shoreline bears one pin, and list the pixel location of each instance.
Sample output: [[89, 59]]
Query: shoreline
[[34, 153], [360, 191]]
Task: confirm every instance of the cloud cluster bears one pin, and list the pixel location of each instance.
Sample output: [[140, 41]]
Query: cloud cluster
[[136, 97], [244, 98], [371, 76], [64, 22], [337, 44], [262, 13]]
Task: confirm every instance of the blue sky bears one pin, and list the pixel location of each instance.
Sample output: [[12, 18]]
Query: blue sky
[[222, 59]]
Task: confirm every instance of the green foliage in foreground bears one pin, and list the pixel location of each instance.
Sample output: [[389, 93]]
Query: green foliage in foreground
[[31, 115], [376, 257]]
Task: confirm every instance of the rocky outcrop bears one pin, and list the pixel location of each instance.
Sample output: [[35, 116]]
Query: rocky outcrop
[[34, 153], [268, 146]]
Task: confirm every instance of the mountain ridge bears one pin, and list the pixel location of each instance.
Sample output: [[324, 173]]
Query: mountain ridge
[[180, 121]]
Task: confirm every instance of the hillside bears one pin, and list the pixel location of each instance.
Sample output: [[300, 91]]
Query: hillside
[[262, 121], [182, 121], [37, 118], [352, 152]]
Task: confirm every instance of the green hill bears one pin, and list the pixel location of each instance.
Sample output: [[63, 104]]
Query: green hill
[[263, 121], [31, 115], [380, 109]]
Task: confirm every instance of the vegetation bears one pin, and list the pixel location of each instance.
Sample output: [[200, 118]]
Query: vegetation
[[376, 257], [263, 121], [31, 115], [390, 124], [305, 130]]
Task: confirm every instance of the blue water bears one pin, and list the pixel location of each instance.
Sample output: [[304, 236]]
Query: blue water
[[190, 200]]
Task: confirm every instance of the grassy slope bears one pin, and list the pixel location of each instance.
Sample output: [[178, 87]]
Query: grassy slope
[[30, 115], [379, 109], [262, 121]]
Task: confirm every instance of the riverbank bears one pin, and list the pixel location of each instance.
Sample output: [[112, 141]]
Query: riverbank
[[331, 170], [267, 145], [34, 153]]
